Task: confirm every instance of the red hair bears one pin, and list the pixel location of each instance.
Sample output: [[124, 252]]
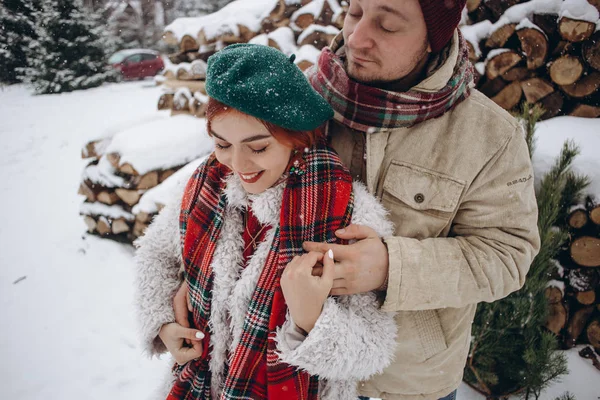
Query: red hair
[[290, 138]]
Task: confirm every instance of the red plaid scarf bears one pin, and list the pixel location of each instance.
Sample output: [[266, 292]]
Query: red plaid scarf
[[315, 203], [362, 107]]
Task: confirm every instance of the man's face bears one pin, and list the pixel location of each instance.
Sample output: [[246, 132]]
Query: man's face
[[385, 40]]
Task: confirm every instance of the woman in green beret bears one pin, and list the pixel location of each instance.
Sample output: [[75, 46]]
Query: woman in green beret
[[263, 324]]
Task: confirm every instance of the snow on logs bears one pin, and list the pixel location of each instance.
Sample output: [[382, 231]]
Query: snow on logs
[[544, 52], [300, 27], [574, 293], [133, 164]]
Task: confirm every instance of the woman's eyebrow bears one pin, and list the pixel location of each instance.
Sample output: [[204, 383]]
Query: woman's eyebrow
[[247, 140]]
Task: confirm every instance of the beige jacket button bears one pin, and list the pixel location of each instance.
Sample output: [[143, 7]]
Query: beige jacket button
[[419, 198]]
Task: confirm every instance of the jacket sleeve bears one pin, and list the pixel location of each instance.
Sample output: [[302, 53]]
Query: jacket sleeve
[[492, 242], [352, 340], [157, 264]]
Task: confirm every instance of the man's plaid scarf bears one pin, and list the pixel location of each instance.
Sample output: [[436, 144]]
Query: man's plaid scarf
[[315, 204], [362, 107]]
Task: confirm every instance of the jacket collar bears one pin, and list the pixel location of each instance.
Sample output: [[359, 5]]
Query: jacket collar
[[438, 77]]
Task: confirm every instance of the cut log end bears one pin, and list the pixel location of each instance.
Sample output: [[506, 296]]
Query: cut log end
[[578, 219], [501, 63], [536, 89], [535, 46], [510, 96], [585, 251], [566, 70], [575, 30]]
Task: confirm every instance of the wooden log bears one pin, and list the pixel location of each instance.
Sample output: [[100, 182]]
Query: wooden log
[[577, 324], [584, 87], [492, 87], [566, 70], [317, 38], [139, 228], [188, 43], [595, 215], [500, 63], [588, 353], [114, 159], [170, 38], [147, 181], [578, 219], [591, 51], [143, 217], [198, 108], [498, 7], [535, 46], [95, 148], [165, 101], [547, 23], [586, 298], [536, 89], [472, 5], [499, 38], [552, 104], [127, 168], [194, 86], [575, 30], [593, 333], [553, 294], [304, 20], [516, 74], [557, 317], [87, 191], [585, 251], [103, 226], [119, 226], [90, 222], [163, 175], [130, 197], [107, 197], [585, 111], [510, 96], [169, 74]]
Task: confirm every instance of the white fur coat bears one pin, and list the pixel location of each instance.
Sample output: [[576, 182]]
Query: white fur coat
[[352, 339]]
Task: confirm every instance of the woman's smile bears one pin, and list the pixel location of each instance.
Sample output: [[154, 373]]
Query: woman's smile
[[251, 178]]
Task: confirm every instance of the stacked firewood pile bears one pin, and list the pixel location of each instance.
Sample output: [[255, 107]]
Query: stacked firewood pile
[[126, 170], [544, 52], [574, 294], [301, 27]]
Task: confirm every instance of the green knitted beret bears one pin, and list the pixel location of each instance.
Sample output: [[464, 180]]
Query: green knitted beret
[[261, 81]]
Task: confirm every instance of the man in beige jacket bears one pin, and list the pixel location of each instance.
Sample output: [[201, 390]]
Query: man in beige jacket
[[453, 170]]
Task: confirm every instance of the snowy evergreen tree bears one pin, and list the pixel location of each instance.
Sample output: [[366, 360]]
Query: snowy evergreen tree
[[70, 52], [17, 29], [511, 351]]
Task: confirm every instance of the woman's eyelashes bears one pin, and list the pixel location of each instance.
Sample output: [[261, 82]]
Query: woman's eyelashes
[[255, 151]]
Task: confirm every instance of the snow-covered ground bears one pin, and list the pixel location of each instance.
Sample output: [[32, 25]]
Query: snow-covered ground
[[68, 329]]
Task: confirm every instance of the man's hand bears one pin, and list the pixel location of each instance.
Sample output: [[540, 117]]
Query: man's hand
[[173, 336], [360, 267], [304, 293]]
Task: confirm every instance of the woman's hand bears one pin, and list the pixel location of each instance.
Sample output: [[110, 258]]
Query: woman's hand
[[173, 336], [304, 293]]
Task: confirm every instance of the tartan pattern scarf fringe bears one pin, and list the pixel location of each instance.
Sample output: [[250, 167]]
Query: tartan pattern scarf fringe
[[362, 107], [313, 206]]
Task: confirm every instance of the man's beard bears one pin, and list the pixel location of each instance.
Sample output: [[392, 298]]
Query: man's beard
[[383, 81]]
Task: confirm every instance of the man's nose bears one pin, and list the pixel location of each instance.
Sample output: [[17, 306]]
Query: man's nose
[[362, 35]]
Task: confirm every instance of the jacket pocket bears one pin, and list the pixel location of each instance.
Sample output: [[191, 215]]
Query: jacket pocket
[[421, 201], [431, 334]]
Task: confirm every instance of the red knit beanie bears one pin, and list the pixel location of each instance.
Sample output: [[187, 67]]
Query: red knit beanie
[[442, 18]]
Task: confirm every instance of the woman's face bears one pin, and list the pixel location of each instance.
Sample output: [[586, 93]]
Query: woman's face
[[244, 145]]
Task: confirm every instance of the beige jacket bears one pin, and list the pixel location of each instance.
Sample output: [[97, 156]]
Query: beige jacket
[[460, 192]]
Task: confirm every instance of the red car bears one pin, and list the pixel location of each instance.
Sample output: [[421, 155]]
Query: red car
[[137, 63]]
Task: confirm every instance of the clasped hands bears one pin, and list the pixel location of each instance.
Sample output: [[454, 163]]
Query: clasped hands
[[306, 283]]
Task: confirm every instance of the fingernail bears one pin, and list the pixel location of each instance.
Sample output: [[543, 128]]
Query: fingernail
[[341, 230], [199, 335], [330, 254]]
